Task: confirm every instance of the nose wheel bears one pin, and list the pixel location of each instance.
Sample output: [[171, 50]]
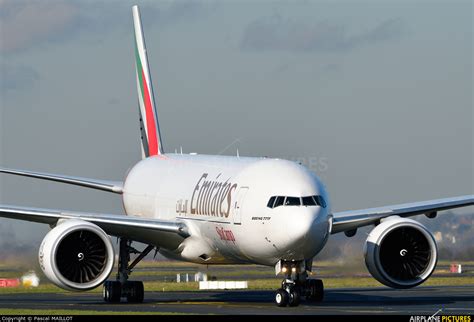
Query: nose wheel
[[315, 291], [291, 292], [281, 297], [295, 297], [296, 284]]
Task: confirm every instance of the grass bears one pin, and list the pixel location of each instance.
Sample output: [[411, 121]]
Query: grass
[[259, 277], [10, 274], [358, 282], [255, 284], [231, 272], [448, 263], [170, 264], [254, 275]]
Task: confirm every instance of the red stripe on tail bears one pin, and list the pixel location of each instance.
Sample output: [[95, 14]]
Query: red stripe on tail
[[150, 120]]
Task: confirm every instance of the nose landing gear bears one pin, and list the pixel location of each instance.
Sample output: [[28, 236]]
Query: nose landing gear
[[297, 285], [290, 296]]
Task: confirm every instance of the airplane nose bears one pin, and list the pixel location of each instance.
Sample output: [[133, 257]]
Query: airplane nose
[[305, 233], [301, 225]]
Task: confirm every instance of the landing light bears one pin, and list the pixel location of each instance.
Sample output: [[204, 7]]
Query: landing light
[[293, 269], [284, 269]]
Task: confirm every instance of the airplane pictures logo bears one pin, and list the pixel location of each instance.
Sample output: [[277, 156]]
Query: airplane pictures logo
[[440, 318]]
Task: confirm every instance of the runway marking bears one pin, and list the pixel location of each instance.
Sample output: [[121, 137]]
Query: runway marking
[[353, 311], [191, 303], [226, 304], [345, 301]]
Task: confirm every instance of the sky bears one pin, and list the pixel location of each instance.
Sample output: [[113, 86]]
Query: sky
[[373, 96]]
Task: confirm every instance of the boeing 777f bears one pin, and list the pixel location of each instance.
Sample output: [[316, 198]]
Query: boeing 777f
[[221, 210]]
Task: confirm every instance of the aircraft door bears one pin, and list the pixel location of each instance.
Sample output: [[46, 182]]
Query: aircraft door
[[238, 205]]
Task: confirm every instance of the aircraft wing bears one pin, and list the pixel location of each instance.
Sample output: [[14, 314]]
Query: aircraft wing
[[105, 185], [149, 231], [350, 220]]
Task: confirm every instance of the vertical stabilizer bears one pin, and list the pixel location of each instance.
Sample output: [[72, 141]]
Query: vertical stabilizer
[[150, 129]]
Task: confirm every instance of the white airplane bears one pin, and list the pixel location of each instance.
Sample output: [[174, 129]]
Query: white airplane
[[221, 210]]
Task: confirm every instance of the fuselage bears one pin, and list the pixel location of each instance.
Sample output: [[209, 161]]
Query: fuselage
[[226, 202]]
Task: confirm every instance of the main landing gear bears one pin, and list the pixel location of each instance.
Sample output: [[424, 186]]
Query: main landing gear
[[131, 290], [297, 285]]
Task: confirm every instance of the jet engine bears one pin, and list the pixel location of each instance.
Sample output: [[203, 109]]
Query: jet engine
[[400, 253], [76, 255]]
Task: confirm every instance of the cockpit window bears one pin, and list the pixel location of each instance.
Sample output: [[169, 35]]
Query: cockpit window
[[309, 201], [292, 201], [320, 201], [271, 202], [279, 201]]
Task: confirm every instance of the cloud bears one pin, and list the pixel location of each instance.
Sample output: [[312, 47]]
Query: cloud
[[17, 78], [24, 24], [276, 33], [180, 10], [28, 24]]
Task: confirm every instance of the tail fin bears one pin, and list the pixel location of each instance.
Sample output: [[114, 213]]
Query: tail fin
[[151, 138]]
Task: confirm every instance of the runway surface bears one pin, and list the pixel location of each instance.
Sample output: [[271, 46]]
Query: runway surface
[[452, 300]]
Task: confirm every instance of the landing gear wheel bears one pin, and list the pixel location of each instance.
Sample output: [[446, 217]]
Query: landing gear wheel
[[294, 298], [131, 290], [112, 291], [281, 297], [316, 288], [135, 292]]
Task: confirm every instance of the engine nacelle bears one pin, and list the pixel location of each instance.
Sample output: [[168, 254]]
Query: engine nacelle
[[76, 255], [400, 253]]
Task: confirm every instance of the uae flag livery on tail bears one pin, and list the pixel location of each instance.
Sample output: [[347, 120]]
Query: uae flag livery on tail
[[150, 130]]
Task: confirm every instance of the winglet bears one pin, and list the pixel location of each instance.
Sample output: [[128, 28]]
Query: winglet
[[151, 138]]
